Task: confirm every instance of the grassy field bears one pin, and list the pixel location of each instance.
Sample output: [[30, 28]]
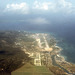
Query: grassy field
[[29, 69]]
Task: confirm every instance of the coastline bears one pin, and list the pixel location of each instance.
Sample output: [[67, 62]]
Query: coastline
[[60, 61], [64, 57]]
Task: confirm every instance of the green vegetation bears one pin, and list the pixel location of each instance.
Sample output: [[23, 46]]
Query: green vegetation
[[11, 56], [29, 69]]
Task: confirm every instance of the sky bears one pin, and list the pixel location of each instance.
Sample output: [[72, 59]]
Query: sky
[[40, 15]]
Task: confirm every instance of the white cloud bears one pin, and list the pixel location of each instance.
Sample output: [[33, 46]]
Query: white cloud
[[38, 21], [21, 8], [63, 5], [43, 6], [55, 6]]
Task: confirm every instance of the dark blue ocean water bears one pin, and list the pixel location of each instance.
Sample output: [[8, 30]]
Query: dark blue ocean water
[[68, 48]]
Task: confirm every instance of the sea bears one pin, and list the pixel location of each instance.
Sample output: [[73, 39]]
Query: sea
[[68, 46]]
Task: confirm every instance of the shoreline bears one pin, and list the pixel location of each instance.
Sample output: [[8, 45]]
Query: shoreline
[[65, 57], [62, 56], [60, 61]]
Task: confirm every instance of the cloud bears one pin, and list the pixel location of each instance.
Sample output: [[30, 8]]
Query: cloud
[[55, 6], [21, 8], [63, 5], [38, 21], [43, 6]]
